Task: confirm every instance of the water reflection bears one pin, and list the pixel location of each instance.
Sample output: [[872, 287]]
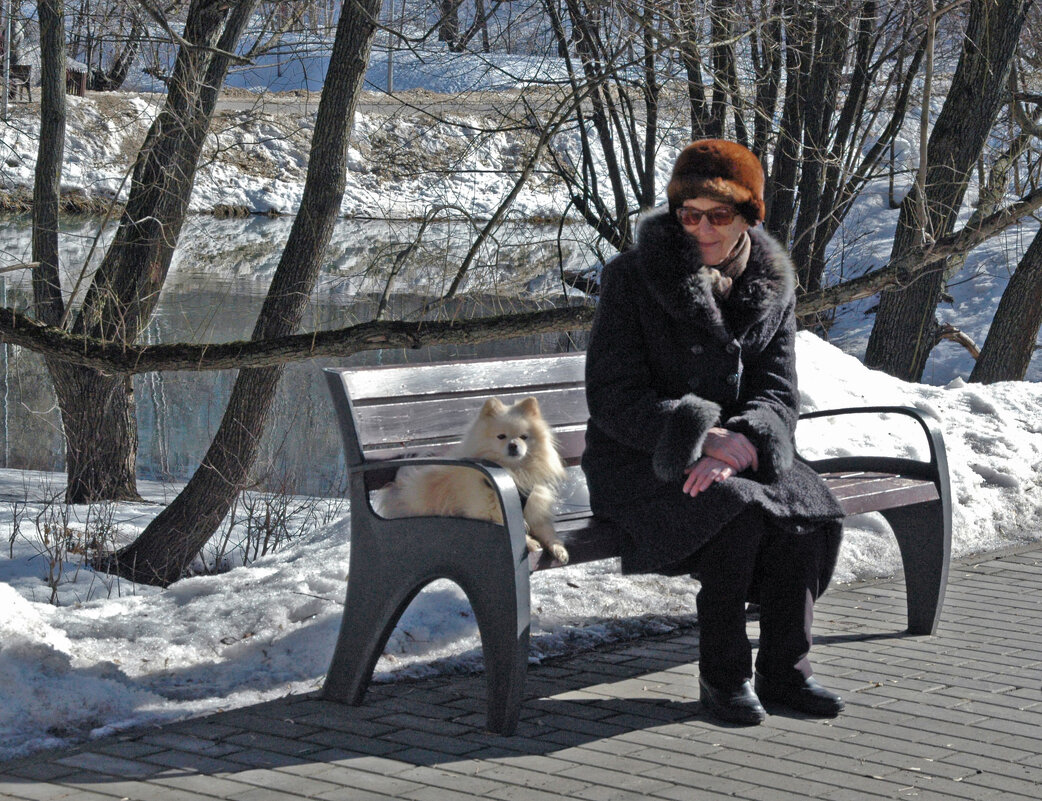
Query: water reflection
[[214, 292]]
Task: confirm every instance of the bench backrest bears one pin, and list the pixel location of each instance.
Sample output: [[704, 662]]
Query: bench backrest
[[426, 407]]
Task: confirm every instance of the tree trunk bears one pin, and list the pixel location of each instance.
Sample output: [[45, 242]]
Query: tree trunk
[[843, 142], [112, 79], [92, 404], [1011, 341], [651, 90], [781, 189], [842, 189], [820, 97], [767, 58], [97, 408], [903, 334], [448, 25], [165, 549], [696, 93], [720, 37], [48, 304]]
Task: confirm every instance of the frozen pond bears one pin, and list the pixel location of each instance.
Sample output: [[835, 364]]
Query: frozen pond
[[214, 292]]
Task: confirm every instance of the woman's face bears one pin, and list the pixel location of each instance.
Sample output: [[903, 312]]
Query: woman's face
[[715, 241]]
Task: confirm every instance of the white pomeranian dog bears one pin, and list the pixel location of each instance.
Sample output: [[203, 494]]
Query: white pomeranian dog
[[515, 437]]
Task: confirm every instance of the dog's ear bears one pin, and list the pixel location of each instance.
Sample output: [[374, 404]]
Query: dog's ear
[[529, 407], [493, 408]]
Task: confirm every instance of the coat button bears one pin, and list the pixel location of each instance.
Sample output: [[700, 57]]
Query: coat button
[[732, 348], [733, 379]]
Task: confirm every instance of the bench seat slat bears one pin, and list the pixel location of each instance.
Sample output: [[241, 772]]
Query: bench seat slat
[[589, 539], [879, 492]]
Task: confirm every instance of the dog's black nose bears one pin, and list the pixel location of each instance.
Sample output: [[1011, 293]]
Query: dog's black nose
[[512, 449]]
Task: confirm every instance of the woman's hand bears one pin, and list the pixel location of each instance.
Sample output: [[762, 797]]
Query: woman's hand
[[731, 447], [704, 473]]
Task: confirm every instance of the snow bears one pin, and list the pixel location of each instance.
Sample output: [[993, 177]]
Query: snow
[[106, 655], [110, 655]]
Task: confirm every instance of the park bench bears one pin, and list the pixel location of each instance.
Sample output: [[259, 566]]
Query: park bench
[[387, 415]]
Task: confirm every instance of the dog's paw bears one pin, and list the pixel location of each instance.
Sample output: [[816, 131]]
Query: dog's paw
[[560, 552], [555, 549]]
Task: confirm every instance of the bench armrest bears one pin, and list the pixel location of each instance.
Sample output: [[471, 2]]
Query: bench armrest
[[499, 478], [936, 469]]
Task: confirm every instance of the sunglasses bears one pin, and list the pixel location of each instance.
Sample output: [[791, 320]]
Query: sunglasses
[[719, 216]]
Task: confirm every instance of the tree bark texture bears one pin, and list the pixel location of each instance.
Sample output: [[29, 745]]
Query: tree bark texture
[[1012, 337], [721, 25], [97, 408], [165, 549], [105, 464], [767, 59], [822, 85], [844, 139], [48, 305], [903, 334], [701, 115], [52, 342], [781, 189], [112, 79]]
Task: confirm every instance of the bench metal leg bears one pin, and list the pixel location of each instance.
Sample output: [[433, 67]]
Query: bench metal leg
[[390, 565], [924, 535], [504, 625], [371, 612]]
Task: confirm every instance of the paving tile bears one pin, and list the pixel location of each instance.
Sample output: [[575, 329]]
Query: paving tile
[[203, 785], [109, 765], [28, 789], [953, 716], [45, 791], [136, 791], [182, 742], [37, 771]]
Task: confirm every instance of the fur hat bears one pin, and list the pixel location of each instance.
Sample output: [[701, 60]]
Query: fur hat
[[723, 170]]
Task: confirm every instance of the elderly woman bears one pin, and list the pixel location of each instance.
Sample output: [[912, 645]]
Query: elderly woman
[[691, 384]]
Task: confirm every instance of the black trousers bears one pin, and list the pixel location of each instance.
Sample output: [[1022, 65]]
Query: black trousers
[[753, 558]]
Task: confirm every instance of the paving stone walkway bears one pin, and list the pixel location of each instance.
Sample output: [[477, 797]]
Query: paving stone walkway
[[956, 715]]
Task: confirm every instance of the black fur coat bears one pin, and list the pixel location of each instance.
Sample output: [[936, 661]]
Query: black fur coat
[[666, 362]]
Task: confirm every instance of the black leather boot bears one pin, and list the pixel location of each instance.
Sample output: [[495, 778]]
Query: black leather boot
[[734, 706], [803, 695]]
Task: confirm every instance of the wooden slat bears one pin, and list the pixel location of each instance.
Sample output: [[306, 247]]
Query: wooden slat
[[589, 539], [423, 409], [571, 441], [423, 422], [875, 492], [447, 378]]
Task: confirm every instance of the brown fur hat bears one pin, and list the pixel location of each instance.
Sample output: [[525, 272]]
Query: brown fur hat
[[722, 170]]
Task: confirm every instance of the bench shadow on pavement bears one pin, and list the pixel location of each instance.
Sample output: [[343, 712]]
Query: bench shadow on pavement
[[570, 701]]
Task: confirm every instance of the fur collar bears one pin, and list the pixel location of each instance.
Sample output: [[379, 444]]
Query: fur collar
[[671, 266]]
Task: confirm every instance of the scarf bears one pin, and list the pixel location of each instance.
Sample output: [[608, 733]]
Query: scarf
[[724, 274]]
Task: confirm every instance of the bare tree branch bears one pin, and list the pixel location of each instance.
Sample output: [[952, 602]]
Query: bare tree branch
[[160, 18], [916, 263], [23, 331], [953, 334]]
